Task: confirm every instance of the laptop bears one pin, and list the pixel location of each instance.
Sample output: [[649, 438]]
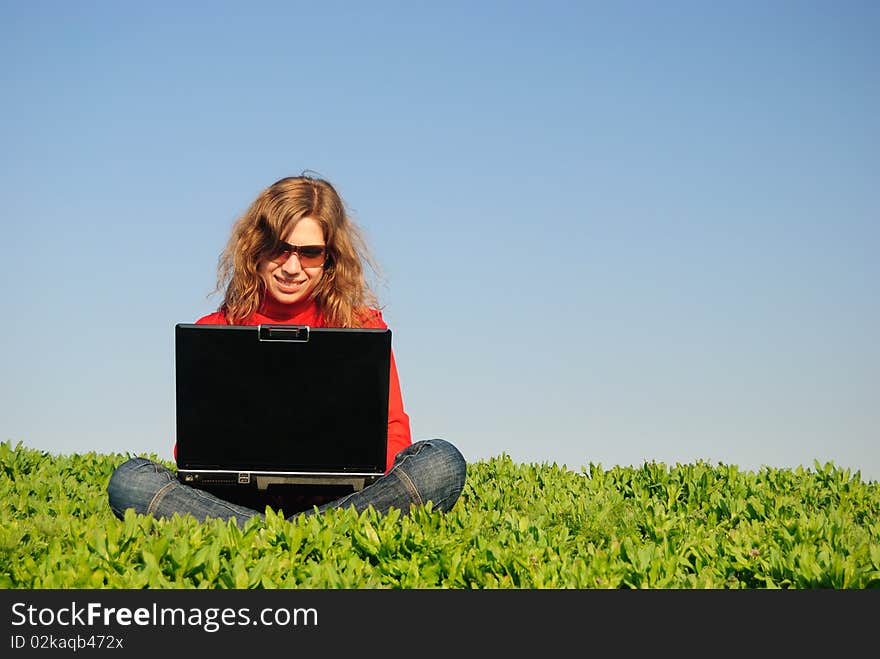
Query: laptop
[[280, 405]]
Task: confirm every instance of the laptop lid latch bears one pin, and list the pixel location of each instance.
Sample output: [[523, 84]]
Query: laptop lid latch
[[290, 333]]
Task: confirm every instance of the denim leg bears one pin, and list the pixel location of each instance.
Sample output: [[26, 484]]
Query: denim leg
[[151, 488], [429, 470]]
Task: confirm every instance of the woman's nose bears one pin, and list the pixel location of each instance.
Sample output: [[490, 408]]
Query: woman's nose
[[292, 264]]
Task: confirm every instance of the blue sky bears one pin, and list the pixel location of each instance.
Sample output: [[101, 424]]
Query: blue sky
[[608, 232]]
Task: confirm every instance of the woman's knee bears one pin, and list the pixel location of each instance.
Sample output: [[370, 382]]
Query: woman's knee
[[457, 467], [441, 471], [133, 470], [133, 484], [452, 457]]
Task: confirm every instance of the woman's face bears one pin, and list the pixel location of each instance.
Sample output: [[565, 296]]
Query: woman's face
[[287, 281]]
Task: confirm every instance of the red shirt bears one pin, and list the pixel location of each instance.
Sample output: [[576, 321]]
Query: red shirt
[[399, 434]]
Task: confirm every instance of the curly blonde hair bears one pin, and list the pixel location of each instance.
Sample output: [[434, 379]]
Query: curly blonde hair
[[342, 295]]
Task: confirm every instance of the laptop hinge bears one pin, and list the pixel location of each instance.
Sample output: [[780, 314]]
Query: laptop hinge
[[356, 482]]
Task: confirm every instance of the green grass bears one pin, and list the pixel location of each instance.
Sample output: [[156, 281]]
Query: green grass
[[516, 526]]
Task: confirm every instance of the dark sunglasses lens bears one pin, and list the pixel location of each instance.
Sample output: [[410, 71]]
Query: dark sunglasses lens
[[308, 255], [311, 255], [281, 254]]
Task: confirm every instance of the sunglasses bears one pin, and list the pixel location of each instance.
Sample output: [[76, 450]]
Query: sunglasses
[[310, 256]]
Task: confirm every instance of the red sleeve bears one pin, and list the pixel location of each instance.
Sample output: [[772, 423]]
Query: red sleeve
[[399, 434]]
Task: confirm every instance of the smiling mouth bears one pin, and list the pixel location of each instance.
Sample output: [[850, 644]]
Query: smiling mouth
[[288, 283]]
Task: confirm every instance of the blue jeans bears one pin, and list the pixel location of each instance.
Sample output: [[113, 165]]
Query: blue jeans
[[430, 470]]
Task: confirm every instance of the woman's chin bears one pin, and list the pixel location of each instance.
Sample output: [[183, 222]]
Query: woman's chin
[[284, 296]]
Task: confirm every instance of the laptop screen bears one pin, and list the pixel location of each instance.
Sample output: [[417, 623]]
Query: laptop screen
[[276, 398]]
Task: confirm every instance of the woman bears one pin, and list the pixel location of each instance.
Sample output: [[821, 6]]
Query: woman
[[295, 257]]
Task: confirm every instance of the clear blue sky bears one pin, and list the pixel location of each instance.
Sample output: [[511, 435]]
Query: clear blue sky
[[609, 232]]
